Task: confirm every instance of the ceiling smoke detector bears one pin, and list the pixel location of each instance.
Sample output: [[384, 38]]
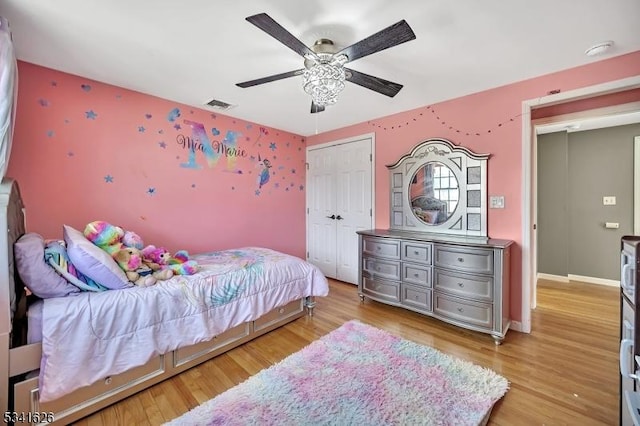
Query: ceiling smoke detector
[[598, 49]]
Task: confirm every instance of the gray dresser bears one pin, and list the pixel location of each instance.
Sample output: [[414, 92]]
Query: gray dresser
[[461, 280]]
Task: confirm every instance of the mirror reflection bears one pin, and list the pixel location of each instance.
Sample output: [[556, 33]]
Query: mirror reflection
[[434, 193]]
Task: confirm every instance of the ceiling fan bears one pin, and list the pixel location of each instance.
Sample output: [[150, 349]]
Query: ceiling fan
[[324, 72]]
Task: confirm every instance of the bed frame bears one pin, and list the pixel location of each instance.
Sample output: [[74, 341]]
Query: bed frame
[[19, 391]]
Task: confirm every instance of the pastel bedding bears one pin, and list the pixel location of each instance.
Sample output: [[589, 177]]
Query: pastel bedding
[[88, 337]]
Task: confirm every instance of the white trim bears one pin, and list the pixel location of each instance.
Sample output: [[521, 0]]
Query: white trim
[[597, 118], [529, 269], [551, 277], [594, 280], [636, 185], [345, 140], [516, 325]]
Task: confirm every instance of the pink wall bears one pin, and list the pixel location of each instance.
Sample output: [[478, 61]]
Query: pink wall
[[84, 151], [485, 122]]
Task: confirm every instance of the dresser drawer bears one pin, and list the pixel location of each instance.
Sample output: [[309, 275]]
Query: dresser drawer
[[381, 267], [464, 311], [416, 252], [464, 259], [472, 286], [416, 274], [416, 297], [383, 247], [381, 289]]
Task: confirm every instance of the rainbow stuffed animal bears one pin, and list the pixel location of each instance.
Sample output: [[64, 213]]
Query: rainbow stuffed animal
[[105, 235], [111, 238]]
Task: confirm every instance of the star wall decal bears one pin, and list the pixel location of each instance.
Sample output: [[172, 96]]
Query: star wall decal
[[108, 179], [91, 114]]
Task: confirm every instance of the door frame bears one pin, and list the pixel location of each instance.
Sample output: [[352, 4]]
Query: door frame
[[351, 139], [529, 267]]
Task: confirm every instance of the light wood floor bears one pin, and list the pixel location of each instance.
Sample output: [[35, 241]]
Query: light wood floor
[[564, 373]]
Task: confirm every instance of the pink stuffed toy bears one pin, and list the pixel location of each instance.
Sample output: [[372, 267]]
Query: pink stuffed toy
[[156, 257], [160, 258]]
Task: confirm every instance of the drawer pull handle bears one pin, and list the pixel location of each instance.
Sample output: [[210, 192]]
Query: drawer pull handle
[[460, 310], [461, 284], [416, 253], [416, 275], [378, 268], [460, 259], [281, 311], [415, 297], [107, 381], [378, 248]]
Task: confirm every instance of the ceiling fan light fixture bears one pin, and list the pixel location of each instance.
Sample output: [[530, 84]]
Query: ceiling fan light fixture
[[324, 81]]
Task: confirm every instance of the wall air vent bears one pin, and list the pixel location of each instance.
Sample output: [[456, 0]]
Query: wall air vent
[[219, 105]]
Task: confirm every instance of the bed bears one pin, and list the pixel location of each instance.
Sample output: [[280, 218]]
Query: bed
[[72, 356], [429, 209]]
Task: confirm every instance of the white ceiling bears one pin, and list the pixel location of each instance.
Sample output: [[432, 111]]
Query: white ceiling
[[192, 51]]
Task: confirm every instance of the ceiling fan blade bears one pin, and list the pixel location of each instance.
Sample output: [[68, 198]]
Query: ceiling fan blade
[[277, 31], [316, 108], [393, 35], [274, 77], [377, 84]]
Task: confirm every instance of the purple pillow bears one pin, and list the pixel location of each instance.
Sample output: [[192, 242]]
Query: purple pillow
[[94, 262], [40, 278]]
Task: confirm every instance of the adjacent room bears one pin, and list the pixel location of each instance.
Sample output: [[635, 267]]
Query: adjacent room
[[358, 212]]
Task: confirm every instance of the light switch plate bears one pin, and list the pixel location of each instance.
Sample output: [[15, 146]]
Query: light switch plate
[[496, 202], [609, 201]]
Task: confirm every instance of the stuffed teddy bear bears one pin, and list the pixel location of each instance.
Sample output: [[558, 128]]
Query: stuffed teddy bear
[[155, 257], [159, 258], [130, 260]]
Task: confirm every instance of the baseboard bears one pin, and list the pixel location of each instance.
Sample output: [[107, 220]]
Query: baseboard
[[581, 278], [552, 277], [592, 280]]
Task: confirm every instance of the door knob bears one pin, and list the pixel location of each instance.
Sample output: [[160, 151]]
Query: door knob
[[333, 216], [339, 217]]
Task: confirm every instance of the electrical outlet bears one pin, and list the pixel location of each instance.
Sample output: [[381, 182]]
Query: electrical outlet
[[609, 201], [496, 202]]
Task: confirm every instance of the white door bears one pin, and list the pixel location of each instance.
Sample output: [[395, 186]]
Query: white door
[[321, 205], [339, 191]]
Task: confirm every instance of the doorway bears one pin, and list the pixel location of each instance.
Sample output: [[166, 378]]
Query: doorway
[[584, 197], [528, 177], [340, 201]]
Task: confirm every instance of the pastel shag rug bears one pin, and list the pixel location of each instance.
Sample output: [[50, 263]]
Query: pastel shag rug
[[358, 375]]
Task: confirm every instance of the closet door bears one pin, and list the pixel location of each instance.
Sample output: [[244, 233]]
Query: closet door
[[353, 195], [321, 206], [339, 203]]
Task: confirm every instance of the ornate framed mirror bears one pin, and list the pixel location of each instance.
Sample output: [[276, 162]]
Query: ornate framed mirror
[[440, 188]]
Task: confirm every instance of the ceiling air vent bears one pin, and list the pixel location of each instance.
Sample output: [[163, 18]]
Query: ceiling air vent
[[216, 104]]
